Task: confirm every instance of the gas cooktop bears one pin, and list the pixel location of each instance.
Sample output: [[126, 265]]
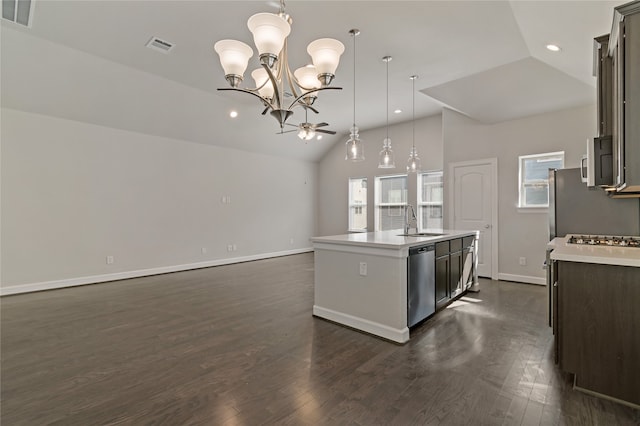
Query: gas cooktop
[[604, 240]]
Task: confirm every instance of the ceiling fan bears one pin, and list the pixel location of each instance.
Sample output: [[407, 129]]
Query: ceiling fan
[[306, 130]]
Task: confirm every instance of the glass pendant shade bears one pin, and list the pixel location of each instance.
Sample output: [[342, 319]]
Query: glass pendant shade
[[269, 33], [261, 78], [234, 56], [325, 54], [355, 148], [413, 164], [386, 156]]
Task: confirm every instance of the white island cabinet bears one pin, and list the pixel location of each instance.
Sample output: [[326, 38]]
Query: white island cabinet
[[361, 278]]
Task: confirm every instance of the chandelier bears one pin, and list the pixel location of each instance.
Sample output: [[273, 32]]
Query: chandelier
[[274, 80]]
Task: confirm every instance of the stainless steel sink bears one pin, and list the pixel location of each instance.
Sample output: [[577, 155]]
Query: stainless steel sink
[[422, 234]]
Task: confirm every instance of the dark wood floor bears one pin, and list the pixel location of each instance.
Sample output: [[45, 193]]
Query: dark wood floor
[[237, 345]]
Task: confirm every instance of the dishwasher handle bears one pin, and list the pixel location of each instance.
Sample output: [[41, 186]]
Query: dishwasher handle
[[422, 249]]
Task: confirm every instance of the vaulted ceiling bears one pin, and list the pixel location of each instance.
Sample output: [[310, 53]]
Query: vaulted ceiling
[[87, 61]]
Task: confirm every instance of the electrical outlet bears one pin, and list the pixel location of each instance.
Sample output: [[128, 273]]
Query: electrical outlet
[[363, 269], [291, 241], [523, 261], [235, 247], [110, 260], [204, 250], [230, 247]]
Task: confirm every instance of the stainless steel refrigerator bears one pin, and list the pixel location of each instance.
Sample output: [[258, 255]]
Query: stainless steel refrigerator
[[576, 209]]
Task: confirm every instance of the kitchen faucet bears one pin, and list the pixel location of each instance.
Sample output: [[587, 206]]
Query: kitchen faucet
[[407, 220]]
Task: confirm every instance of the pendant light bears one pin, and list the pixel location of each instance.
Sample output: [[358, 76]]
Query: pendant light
[[413, 164], [386, 155], [355, 150]]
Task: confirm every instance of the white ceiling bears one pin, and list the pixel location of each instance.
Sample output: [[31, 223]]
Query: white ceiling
[[485, 59]]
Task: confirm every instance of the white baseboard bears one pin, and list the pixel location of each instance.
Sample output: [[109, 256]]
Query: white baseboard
[[522, 279], [377, 329], [95, 279]]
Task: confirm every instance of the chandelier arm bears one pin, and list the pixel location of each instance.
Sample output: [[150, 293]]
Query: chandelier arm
[[293, 82], [276, 96], [235, 89], [297, 100], [305, 106]]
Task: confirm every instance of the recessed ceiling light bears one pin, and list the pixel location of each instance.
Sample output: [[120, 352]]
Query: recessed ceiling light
[[553, 47], [398, 111], [233, 114]]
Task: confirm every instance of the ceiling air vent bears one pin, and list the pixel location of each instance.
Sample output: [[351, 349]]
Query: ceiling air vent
[[18, 11], [160, 45]]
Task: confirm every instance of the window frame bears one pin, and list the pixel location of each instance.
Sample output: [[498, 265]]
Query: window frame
[[522, 184], [352, 205], [423, 204], [378, 205]]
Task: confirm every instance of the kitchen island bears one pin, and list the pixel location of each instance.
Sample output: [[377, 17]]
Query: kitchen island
[[596, 291], [361, 279]]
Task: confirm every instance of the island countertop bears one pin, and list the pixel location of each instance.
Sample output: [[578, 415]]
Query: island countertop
[[622, 256], [392, 239]]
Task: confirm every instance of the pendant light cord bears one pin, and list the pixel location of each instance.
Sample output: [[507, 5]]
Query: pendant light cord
[[355, 33], [413, 117], [388, 59]]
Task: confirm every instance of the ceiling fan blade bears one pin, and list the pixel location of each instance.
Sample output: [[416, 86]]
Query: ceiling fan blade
[[283, 132], [311, 108], [265, 110], [329, 132], [289, 124], [321, 124]]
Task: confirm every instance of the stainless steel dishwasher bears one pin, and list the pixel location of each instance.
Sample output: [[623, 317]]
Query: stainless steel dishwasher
[[421, 284]]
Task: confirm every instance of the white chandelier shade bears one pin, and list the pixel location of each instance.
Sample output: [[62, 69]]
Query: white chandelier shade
[[269, 33], [234, 58], [308, 79], [325, 54], [264, 85]]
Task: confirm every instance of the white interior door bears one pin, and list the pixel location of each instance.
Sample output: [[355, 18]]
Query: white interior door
[[474, 207]]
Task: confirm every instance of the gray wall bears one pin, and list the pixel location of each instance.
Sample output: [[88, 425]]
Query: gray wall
[[334, 172], [454, 137], [74, 193], [521, 232]]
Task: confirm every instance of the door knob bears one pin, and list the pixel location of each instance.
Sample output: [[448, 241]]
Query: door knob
[[487, 226]]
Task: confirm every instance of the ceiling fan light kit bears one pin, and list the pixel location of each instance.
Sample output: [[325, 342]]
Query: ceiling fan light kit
[[275, 78]]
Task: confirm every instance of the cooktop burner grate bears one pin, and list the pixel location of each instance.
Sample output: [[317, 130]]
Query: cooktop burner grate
[[604, 240]]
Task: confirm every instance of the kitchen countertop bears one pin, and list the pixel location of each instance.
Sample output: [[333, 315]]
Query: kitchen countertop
[[622, 256], [391, 239]]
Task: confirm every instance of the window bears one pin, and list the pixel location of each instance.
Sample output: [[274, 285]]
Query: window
[[430, 200], [391, 199], [358, 204], [533, 177]]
